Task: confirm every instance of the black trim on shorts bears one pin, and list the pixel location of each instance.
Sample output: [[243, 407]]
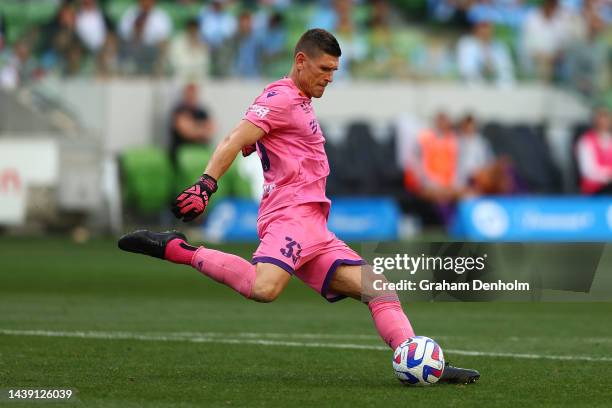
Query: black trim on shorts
[[274, 261], [330, 274]]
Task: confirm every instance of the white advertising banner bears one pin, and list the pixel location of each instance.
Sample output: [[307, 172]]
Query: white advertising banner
[[24, 163]]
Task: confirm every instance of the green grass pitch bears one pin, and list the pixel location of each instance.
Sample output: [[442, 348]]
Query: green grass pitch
[[125, 330]]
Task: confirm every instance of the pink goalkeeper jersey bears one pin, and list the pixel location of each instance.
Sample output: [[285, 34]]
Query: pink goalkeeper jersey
[[292, 155]]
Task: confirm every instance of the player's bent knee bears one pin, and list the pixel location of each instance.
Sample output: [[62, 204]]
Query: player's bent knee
[[269, 283], [347, 281], [266, 292]]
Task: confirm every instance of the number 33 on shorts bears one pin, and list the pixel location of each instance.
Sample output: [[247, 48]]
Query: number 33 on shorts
[[288, 251]]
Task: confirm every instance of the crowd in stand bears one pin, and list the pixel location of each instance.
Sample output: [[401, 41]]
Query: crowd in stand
[[447, 162], [454, 158], [501, 42], [443, 162], [498, 41]]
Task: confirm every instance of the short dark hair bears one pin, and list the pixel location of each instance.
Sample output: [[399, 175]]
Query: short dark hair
[[317, 40]]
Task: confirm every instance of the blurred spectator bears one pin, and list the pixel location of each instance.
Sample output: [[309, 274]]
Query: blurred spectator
[[247, 47], [383, 15], [325, 15], [216, 23], [274, 43], [602, 8], [545, 34], [445, 166], [263, 10], [594, 155], [145, 23], [107, 60], [353, 44], [188, 54], [278, 4], [587, 56], [144, 30], [378, 52], [17, 67], [433, 58], [92, 25], [500, 12], [432, 169], [478, 170], [481, 58], [190, 122], [475, 151], [452, 12], [60, 46], [217, 27]]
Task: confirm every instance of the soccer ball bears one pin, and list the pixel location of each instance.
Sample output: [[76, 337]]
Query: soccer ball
[[418, 361]]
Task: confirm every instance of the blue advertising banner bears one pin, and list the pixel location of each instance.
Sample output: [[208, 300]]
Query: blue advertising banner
[[232, 220], [351, 219], [560, 219], [364, 219]]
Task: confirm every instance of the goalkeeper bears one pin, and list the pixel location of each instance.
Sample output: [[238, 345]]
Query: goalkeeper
[[292, 223]]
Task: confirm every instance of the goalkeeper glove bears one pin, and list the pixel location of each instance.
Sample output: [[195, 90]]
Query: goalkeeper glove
[[193, 201]]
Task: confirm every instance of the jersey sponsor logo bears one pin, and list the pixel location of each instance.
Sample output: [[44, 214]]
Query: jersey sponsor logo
[[259, 110], [271, 94], [268, 188], [314, 126], [306, 107]]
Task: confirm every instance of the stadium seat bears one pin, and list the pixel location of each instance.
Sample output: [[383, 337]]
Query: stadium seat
[[530, 153], [359, 158], [147, 179], [389, 172], [233, 185], [191, 162], [577, 130], [492, 131], [334, 159], [362, 165]]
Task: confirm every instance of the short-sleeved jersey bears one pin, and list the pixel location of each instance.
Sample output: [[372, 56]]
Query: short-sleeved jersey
[[292, 154]]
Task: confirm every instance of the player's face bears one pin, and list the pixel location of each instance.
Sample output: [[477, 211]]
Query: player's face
[[318, 72]]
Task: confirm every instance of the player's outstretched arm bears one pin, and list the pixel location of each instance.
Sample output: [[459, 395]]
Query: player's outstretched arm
[[193, 200], [245, 134]]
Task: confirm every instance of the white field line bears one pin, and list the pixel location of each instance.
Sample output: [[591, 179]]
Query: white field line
[[595, 340], [251, 338], [282, 335], [194, 338]]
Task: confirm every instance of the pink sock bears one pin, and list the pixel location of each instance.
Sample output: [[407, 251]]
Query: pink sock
[[390, 320], [228, 269], [178, 251]]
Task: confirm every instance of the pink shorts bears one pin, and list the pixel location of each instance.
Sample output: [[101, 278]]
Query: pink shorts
[[296, 239]]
